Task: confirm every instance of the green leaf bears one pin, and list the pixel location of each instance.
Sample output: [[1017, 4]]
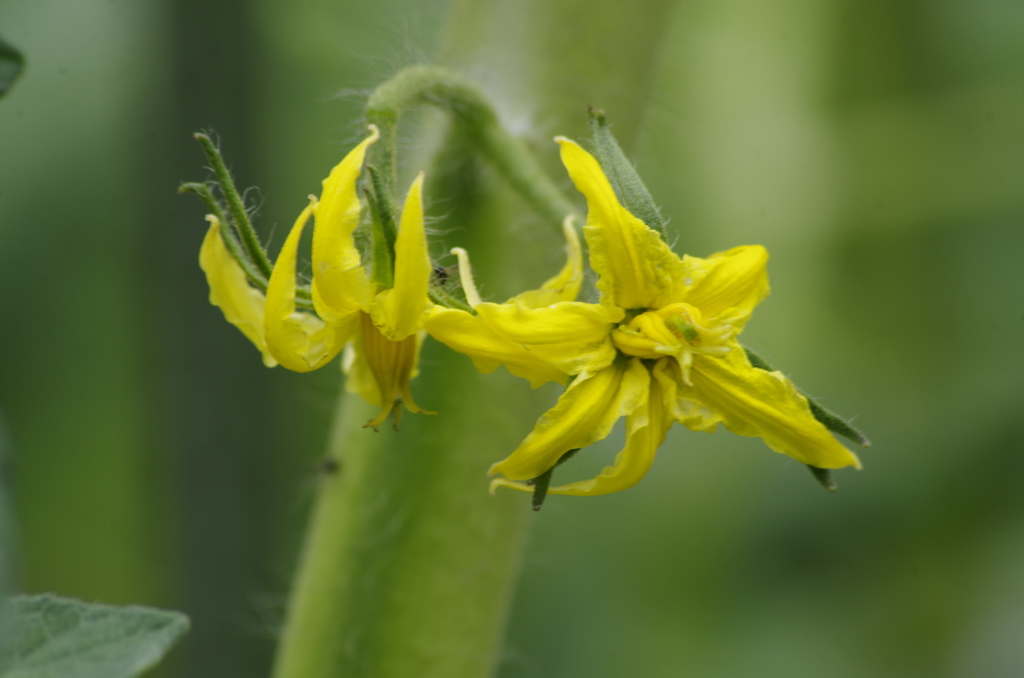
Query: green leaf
[[11, 63], [45, 636]]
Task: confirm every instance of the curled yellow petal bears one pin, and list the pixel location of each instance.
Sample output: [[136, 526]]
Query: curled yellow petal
[[729, 283], [646, 427], [398, 312], [571, 335], [466, 333], [340, 284], [466, 276], [566, 285], [635, 267], [299, 341], [584, 414], [511, 484], [230, 291], [757, 403]]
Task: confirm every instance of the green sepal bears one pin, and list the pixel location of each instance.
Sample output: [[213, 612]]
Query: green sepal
[[443, 297], [543, 481], [11, 64], [229, 237], [833, 422], [384, 206], [824, 477], [383, 232], [540, 488], [239, 217], [303, 295], [623, 176]]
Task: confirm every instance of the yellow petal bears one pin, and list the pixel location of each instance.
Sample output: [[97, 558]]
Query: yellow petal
[[340, 285], [571, 335], [358, 376], [728, 284], [566, 285], [757, 403], [398, 312], [466, 333], [646, 427], [679, 400], [583, 415], [299, 341], [230, 291], [636, 269]]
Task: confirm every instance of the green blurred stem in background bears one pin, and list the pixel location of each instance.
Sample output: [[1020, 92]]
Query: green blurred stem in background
[[408, 565]]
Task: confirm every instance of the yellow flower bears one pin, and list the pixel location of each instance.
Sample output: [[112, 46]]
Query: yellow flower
[[382, 327], [660, 347]]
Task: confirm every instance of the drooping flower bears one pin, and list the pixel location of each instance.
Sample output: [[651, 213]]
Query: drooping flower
[[382, 327], [660, 347]]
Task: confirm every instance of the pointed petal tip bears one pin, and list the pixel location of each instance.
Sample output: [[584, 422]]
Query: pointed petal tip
[[374, 133], [417, 185]]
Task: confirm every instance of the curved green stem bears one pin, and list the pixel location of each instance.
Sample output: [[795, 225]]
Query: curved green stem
[[440, 87]]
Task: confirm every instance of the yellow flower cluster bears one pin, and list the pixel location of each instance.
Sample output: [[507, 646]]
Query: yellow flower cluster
[[382, 326], [659, 347]]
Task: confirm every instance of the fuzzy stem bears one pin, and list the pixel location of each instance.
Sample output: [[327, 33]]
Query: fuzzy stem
[[407, 564], [419, 85]]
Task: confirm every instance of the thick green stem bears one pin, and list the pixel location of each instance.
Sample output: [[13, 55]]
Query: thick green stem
[[407, 565], [440, 87]]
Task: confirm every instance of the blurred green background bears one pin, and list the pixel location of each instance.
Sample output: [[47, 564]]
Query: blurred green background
[[876, 147]]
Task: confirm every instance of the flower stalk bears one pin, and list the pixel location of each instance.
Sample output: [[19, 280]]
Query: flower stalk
[[420, 85]]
